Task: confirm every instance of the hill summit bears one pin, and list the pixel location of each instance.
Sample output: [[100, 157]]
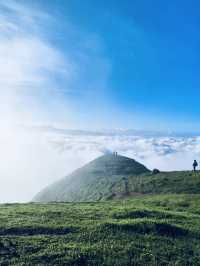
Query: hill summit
[[96, 180]]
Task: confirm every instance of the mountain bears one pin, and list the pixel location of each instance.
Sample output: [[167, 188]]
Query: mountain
[[98, 180], [113, 177]]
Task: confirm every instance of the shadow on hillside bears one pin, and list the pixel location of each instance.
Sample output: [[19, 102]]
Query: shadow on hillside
[[157, 228], [29, 231]]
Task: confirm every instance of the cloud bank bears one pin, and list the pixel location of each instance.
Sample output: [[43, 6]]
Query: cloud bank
[[163, 152], [40, 157]]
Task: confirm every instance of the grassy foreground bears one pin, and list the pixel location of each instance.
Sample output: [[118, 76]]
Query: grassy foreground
[[145, 230]]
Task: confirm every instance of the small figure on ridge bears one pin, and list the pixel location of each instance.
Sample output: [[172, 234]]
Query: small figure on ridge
[[195, 164]]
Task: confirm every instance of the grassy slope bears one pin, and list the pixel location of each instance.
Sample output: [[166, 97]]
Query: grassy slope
[[167, 182], [119, 186], [95, 184], [148, 230], [112, 176], [93, 181]]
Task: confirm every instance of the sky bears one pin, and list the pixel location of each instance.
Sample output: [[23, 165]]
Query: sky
[[97, 66]]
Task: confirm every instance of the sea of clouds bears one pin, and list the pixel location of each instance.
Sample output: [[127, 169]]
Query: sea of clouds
[[32, 158], [164, 152]]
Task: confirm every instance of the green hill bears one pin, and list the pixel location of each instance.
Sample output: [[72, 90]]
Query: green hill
[[185, 182], [111, 176], [95, 181], [148, 230]]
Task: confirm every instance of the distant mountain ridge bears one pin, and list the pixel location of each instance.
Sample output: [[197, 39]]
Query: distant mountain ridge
[[114, 132]]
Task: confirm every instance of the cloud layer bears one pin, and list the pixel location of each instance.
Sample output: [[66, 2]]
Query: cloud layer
[[166, 153], [40, 157]]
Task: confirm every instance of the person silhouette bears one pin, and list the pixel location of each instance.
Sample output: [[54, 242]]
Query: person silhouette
[[195, 164]]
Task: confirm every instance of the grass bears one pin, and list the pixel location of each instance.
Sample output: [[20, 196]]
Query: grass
[[166, 182], [145, 230]]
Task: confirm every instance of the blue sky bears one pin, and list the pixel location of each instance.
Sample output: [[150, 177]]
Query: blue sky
[[105, 64]]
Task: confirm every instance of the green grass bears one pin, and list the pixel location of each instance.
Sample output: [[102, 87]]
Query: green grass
[[145, 230], [166, 182]]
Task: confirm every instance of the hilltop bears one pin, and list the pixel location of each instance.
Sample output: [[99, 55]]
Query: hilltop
[[111, 177], [94, 181]]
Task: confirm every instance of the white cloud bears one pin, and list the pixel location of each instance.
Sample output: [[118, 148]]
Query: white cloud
[[166, 153], [37, 77], [27, 63], [40, 157], [30, 67], [18, 18]]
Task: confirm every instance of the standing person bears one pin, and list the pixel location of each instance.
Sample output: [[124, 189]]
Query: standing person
[[195, 164]]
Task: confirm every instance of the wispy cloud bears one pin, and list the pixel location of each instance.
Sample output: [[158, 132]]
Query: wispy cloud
[[27, 63], [30, 66], [36, 74], [26, 58], [18, 18]]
